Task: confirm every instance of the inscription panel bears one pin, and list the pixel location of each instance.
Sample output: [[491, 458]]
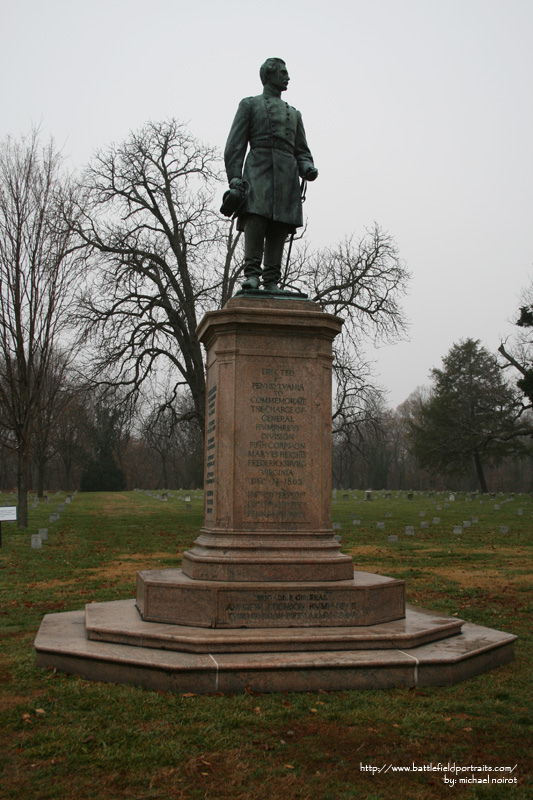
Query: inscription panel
[[277, 447], [210, 453], [301, 607]]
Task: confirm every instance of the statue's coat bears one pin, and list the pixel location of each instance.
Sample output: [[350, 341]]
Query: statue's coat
[[277, 158]]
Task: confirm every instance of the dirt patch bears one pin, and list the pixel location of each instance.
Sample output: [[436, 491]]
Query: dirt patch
[[119, 504], [124, 566], [128, 565], [472, 578], [468, 576], [7, 702], [52, 583]]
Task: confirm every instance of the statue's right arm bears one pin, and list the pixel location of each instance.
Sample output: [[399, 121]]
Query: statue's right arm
[[238, 138]]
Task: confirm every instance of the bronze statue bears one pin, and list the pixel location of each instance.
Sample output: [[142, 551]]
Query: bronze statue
[[266, 194]]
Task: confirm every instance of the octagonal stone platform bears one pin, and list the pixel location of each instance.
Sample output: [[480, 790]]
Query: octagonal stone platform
[[63, 643], [172, 597]]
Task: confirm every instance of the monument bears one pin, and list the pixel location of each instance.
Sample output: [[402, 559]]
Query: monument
[[265, 599]]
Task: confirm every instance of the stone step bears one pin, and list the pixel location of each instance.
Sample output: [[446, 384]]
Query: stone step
[[121, 623], [62, 643]]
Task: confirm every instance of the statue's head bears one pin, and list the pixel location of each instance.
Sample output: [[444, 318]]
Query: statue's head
[[274, 73]]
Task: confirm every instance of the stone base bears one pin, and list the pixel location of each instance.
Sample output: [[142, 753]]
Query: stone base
[[121, 623], [62, 643], [268, 556], [170, 596]]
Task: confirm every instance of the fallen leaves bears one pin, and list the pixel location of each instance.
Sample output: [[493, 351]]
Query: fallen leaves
[[29, 718]]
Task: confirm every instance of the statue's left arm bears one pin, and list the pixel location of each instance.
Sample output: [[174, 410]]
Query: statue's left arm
[[306, 166]]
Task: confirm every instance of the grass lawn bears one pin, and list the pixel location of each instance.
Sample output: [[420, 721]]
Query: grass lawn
[[64, 737]]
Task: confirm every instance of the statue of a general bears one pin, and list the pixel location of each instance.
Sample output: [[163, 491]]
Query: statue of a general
[[266, 194]]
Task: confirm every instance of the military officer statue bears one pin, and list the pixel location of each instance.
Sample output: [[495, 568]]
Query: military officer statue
[[269, 203]]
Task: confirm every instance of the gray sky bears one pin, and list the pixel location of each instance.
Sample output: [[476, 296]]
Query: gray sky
[[419, 114]]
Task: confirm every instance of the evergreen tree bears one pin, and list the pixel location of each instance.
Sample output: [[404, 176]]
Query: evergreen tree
[[102, 473], [470, 418]]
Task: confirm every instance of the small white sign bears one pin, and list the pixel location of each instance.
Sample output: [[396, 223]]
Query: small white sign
[[8, 513]]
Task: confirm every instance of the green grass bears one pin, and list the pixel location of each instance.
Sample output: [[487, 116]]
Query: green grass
[[64, 737]]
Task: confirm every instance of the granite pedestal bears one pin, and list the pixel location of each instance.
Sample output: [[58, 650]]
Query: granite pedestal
[[265, 598]]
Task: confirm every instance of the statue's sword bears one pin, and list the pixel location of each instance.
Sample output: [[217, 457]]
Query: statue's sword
[[303, 193]]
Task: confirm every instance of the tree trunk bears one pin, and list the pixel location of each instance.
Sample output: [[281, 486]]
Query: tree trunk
[[480, 473], [67, 468], [22, 488], [41, 467], [165, 474]]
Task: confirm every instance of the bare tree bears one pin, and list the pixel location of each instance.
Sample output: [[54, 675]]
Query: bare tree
[[157, 247], [519, 354], [37, 272], [161, 257], [70, 436], [54, 398], [362, 282]]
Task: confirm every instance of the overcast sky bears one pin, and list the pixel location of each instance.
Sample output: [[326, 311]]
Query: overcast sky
[[419, 114]]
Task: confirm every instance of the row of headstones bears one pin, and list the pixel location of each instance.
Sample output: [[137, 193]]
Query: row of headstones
[[410, 529], [350, 494], [156, 495], [165, 495], [41, 536], [46, 498], [424, 524]]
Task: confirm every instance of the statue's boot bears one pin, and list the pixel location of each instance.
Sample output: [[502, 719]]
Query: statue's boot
[[251, 283], [272, 288]]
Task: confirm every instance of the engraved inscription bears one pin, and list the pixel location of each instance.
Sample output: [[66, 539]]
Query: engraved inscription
[[289, 607], [277, 453], [210, 452]]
